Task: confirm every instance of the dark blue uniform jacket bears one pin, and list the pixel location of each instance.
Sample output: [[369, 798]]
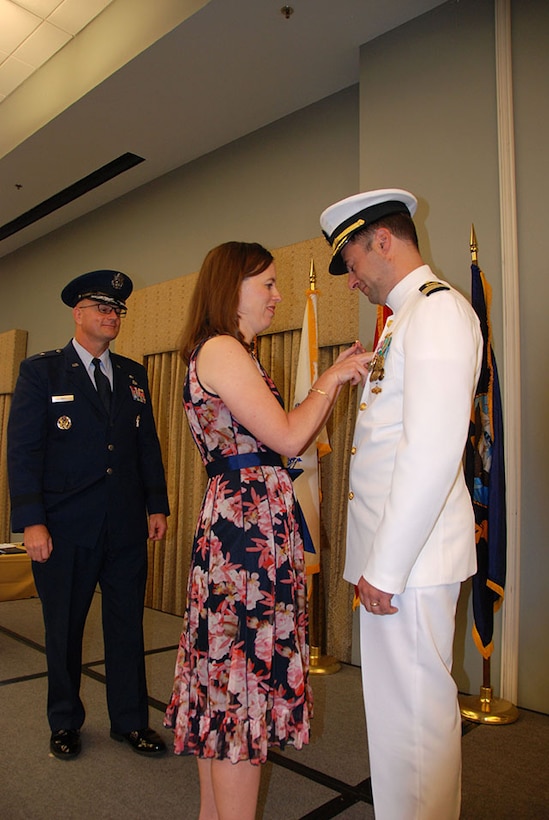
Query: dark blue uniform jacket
[[74, 468]]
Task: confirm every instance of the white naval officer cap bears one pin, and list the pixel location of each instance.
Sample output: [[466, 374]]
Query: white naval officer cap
[[343, 219]]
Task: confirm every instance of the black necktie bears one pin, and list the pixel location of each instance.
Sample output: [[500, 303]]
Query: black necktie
[[103, 385]]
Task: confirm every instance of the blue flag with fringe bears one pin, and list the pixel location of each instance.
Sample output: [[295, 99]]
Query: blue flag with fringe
[[485, 472]]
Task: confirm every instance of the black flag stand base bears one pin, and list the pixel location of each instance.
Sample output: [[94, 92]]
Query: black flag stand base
[[486, 708], [318, 664]]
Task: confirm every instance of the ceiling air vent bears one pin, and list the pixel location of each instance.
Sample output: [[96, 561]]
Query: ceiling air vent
[[77, 189]]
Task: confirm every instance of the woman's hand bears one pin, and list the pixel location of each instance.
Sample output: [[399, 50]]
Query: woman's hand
[[351, 365], [353, 350]]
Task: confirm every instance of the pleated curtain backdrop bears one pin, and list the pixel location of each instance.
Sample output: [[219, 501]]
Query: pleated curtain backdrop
[[186, 478], [5, 404], [337, 594]]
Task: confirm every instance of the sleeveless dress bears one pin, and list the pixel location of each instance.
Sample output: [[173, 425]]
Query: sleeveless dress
[[242, 669]]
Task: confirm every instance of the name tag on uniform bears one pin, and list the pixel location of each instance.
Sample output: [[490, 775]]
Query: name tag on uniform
[[56, 399]]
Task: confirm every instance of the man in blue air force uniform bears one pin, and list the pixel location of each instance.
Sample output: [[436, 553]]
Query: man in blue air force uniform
[[85, 468], [410, 535]]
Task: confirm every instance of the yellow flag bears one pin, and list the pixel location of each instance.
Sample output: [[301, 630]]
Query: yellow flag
[[307, 484]]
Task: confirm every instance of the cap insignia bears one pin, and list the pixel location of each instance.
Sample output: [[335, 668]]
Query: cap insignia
[[118, 280]]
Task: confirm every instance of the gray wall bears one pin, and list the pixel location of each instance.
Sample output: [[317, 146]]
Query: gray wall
[[427, 122], [531, 81], [268, 187]]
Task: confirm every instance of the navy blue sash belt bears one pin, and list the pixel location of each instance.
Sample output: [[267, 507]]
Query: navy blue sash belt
[[241, 461], [269, 459]]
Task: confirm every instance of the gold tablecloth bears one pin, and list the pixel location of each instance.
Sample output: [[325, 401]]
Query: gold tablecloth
[[16, 580]]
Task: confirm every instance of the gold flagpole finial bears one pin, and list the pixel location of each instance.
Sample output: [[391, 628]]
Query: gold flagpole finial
[[473, 245], [312, 275]]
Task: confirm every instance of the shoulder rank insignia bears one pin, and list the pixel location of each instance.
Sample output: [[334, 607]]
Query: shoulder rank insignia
[[432, 287], [45, 354]]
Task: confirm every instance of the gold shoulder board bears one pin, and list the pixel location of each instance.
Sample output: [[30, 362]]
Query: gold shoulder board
[[432, 287]]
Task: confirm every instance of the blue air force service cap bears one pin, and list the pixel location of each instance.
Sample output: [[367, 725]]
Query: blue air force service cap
[[342, 220], [109, 286]]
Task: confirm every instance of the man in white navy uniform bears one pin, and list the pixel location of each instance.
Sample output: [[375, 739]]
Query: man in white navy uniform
[[87, 488], [410, 529]]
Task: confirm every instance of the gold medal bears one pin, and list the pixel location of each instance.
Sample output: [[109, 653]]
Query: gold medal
[[377, 365], [378, 368], [64, 423]]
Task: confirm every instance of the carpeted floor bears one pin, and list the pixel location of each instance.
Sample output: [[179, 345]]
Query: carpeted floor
[[505, 769]]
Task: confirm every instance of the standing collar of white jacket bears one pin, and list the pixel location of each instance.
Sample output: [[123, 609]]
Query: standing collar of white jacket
[[399, 294]]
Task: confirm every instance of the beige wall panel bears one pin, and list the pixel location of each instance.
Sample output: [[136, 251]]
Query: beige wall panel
[[13, 348], [158, 313]]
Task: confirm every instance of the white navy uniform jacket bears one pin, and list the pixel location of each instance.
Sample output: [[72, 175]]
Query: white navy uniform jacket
[[410, 518]]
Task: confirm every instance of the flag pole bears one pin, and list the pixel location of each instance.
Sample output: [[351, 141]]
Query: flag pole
[[473, 245], [319, 664], [312, 275], [485, 708]]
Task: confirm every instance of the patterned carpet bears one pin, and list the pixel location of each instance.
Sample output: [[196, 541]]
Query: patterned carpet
[[505, 771]]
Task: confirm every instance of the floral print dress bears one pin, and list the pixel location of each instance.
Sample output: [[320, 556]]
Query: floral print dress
[[241, 675]]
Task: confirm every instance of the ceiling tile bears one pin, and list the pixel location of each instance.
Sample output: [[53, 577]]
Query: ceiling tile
[[15, 24], [40, 7], [73, 15], [12, 74], [32, 31], [42, 44]]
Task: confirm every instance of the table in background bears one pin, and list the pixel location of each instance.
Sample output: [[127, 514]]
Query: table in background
[[16, 579]]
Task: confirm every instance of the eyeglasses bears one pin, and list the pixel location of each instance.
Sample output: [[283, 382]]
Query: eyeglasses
[[106, 310]]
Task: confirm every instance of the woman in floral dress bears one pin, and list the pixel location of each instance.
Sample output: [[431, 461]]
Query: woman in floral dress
[[241, 677]]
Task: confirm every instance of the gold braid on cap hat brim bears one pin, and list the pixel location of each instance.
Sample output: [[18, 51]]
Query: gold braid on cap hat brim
[[343, 237]]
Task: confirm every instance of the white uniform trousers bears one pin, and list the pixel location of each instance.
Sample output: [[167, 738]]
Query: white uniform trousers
[[412, 712]]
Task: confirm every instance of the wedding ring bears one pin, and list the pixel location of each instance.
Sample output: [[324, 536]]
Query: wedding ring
[[374, 603]]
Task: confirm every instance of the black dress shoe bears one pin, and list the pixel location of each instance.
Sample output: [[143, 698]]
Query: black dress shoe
[[142, 741], [65, 743]]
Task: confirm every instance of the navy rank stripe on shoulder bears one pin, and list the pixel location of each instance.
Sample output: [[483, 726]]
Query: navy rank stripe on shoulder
[[432, 287]]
